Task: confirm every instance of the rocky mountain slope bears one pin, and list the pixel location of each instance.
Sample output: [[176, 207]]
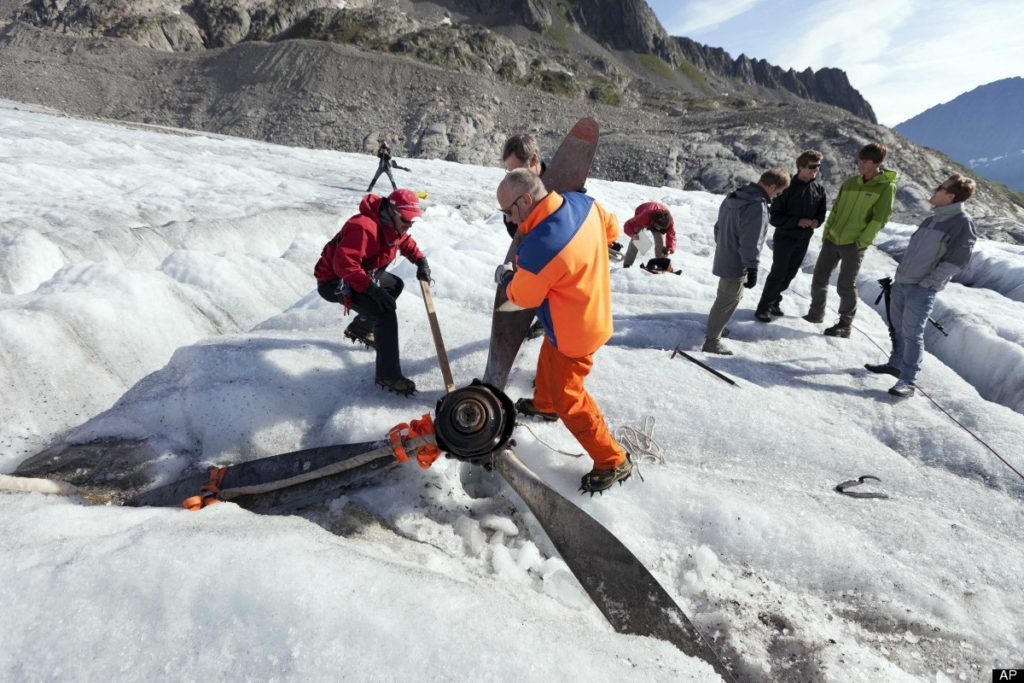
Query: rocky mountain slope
[[980, 128], [608, 50], [443, 86]]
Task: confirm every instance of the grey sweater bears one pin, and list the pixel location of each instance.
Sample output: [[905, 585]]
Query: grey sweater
[[939, 248], [740, 231]]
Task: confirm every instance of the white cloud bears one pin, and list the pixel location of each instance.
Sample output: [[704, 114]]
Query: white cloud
[[905, 57], [943, 60], [839, 34], [700, 15]]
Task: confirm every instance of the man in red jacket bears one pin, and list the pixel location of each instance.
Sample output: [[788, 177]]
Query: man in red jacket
[[351, 271], [653, 216]]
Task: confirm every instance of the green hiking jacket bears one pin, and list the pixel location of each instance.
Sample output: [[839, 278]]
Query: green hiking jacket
[[861, 210]]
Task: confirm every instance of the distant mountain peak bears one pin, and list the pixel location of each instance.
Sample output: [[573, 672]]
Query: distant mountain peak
[[980, 128]]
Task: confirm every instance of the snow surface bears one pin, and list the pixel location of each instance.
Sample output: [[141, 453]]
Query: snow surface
[[158, 286]]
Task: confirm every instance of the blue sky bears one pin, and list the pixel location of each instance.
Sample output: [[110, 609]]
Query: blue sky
[[904, 56]]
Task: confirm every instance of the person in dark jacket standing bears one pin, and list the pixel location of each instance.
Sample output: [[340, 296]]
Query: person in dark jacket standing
[[351, 272], [862, 208], [938, 250], [739, 235], [384, 165], [795, 213]]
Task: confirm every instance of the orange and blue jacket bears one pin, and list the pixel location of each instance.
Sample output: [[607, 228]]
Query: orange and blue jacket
[[563, 272]]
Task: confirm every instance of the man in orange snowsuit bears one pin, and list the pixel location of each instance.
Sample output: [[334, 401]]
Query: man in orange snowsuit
[[562, 270]]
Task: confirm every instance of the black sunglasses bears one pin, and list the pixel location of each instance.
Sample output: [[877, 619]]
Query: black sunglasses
[[508, 212]]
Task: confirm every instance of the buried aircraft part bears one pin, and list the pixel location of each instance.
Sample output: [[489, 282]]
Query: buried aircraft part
[[473, 422]]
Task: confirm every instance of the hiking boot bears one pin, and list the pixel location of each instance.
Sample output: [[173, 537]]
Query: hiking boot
[[762, 316], [399, 385], [360, 335], [882, 369], [814, 318], [776, 311], [597, 480], [838, 330], [715, 346], [902, 389], [536, 330], [524, 406]]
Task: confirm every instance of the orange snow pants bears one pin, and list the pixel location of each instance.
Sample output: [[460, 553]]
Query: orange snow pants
[[560, 390]]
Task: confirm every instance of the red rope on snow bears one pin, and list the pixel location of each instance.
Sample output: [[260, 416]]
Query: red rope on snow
[[948, 414]]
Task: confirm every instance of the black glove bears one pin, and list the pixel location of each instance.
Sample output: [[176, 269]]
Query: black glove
[[616, 246], [423, 270], [381, 298], [751, 278], [503, 274]]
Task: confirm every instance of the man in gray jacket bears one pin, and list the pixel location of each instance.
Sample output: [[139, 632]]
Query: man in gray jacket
[[938, 250], [739, 235]]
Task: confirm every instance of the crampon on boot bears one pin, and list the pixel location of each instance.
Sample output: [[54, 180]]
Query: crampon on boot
[[524, 406], [399, 385], [360, 335], [597, 481]]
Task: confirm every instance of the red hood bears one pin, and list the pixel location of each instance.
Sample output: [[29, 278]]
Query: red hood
[[370, 207]]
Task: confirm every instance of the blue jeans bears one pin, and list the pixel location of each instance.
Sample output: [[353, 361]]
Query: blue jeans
[[908, 311]]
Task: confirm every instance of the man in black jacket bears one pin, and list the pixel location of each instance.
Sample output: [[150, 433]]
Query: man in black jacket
[[795, 213]]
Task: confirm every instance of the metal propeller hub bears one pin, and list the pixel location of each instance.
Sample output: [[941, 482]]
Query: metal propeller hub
[[474, 421], [470, 416]]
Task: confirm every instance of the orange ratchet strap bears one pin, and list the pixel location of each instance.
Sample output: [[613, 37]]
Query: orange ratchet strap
[[425, 454], [207, 492]]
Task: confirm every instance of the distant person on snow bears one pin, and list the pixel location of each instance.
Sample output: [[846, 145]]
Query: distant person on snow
[[862, 208], [739, 235], [385, 165], [795, 213], [938, 250], [351, 271], [655, 217], [562, 270]]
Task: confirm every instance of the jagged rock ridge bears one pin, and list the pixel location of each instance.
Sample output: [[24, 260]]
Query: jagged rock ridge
[[628, 26], [827, 85], [325, 95]]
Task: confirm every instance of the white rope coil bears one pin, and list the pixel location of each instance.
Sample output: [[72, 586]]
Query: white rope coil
[[639, 442]]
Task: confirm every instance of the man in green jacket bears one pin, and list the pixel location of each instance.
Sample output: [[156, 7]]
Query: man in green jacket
[[863, 207]]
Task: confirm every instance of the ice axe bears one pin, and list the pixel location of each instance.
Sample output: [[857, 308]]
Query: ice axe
[[886, 283], [435, 331], [716, 373]]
